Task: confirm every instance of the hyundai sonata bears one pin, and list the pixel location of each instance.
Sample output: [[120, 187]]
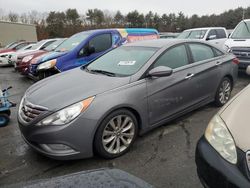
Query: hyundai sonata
[[128, 91]]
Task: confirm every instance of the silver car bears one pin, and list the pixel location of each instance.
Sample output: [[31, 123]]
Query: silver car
[[102, 107]]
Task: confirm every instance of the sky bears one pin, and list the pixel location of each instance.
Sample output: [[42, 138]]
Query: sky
[[188, 7]]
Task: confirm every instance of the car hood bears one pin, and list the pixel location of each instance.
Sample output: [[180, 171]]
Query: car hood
[[51, 55], [235, 115], [237, 43], [67, 88]]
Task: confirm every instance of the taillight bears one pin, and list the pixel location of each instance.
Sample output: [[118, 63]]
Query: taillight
[[236, 61]]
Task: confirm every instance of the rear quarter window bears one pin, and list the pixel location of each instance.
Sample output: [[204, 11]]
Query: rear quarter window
[[201, 52], [218, 52]]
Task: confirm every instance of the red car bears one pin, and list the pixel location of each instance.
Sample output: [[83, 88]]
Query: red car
[[23, 61], [14, 47]]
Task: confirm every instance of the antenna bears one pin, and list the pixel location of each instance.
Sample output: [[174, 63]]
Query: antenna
[[243, 14]]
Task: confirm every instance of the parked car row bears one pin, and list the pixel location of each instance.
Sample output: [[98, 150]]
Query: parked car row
[[52, 56], [111, 89]]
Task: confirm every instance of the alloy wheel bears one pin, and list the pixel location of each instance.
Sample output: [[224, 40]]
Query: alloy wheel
[[225, 91], [118, 134]]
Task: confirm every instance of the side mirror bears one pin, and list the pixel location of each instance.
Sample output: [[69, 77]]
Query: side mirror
[[211, 37], [229, 35], [160, 71]]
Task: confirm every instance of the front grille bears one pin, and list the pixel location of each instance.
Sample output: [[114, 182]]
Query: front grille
[[30, 112], [241, 52]]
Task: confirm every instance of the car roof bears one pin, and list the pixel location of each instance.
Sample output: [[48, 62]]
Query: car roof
[[130, 30], [160, 43], [204, 28]]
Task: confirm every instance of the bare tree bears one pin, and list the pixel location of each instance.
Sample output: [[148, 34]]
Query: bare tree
[[13, 17]]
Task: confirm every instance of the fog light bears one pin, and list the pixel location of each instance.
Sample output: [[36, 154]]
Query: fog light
[[57, 148]]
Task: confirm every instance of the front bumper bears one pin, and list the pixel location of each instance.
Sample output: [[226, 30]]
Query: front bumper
[[214, 171], [22, 67], [4, 61], [77, 135]]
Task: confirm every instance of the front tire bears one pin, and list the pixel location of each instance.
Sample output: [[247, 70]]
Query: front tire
[[223, 92], [116, 134]]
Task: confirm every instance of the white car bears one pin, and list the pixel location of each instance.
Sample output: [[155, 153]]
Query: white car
[[239, 44], [38, 46], [5, 57], [214, 35]]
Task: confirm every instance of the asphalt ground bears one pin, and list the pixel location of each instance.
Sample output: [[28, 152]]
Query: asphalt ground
[[164, 157]]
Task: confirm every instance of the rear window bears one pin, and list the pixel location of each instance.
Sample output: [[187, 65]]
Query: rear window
[[201, 52], [221, 33]]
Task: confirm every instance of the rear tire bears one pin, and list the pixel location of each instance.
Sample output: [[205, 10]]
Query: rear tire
[[4, 119], [223, 92], [116, 134]]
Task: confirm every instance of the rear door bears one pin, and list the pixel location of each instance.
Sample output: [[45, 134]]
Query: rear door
[[207, 64], [170, 95]]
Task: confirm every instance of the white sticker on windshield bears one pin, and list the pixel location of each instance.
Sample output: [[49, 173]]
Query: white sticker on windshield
[[125, 63]]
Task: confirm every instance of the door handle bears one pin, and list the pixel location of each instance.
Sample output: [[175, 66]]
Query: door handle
[[189, 76], [218, 63]]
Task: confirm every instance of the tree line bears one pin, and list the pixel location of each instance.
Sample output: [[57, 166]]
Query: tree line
[[66, 23]]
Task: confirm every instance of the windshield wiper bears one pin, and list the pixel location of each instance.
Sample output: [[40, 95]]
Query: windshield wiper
[[101, 72]]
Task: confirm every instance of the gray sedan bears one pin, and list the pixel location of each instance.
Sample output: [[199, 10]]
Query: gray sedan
[[102, 107]]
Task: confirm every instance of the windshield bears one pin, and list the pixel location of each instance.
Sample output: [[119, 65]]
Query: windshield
[[194, 34], [37, 45], [72, 42], [54, 45], [242, 31], [122, 61]]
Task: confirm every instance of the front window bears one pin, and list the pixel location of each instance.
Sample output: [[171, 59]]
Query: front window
[[192, 34], [242, 31], [174, 58], [122, 61], [72, 42]]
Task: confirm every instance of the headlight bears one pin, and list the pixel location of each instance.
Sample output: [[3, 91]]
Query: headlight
[[47, 65], [227, 48], [67, 114], [220, 138], [27, 58], [21, 105]]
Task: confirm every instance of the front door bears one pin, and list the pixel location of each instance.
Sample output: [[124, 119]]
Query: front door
[[101, 44], [170, 95]]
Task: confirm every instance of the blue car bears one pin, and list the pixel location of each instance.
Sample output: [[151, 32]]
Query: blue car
[[84, 47]]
